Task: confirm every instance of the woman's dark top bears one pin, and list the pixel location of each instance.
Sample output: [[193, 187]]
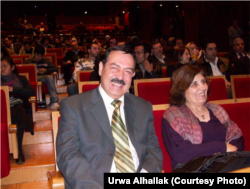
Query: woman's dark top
[[182, 151]]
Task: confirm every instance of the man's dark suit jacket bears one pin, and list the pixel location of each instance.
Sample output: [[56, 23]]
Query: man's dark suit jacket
[[238, 66], [156, 61], [85, 144]]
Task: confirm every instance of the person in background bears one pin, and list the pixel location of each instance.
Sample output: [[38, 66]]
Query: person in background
[[97, 126], [234, 31], [70, 59], [194, 52], [193, 127], [27, 48], [84, 64], [20, 91], [181, 57], [44, 70]]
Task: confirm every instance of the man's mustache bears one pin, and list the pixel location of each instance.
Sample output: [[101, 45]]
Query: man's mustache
[[118, 81]]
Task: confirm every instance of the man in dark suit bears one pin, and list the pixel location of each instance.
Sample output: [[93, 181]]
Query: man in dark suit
[[85, 141], [239, 60], [70, 58], [158, 57]]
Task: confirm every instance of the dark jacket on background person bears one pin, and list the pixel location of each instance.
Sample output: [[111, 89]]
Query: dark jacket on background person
[[238, 66], [43, 63], [223, 65]]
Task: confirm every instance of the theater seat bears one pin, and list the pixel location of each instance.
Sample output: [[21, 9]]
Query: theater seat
[[85, 86], [83, 75], [155, 91], [158, 111], [240, 86], [8, 132], [218, 90]]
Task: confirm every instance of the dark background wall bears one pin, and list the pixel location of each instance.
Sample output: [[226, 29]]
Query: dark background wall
[[193, 20]]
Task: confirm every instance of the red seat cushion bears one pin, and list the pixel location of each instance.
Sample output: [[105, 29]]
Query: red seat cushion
[[84, 76], [240, 114], [89, 87], [5, 159], [156, 93], [157, 124], [242, 87], [218, 90]]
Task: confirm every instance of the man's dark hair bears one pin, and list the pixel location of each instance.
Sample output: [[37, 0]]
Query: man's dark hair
[[156, 41], [206, 42], [145, 45], [39, 49], [124, 48], [177, 38], [27, 42]]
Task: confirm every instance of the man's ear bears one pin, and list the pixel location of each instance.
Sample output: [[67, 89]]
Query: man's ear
[[147, 55], [100, 68], [203, 52]]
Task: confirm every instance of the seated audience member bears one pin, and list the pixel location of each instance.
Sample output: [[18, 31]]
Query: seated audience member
[[145, 69], [58, 44], [42, 28], [213, 65], [52, 41], [84, 64], [178, 43], [20, 91], [81, 27], [169, 48], [44, 70], [234, 31], [193, 127], [112, 42], [27, 48], [97, 126], [239, 60], [158, 57], [106, 44], [194, 52], [45, 43], [70, 58], [181, 58], [14, 49], [18, 41]]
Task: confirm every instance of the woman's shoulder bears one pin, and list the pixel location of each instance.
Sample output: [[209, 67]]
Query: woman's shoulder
[[171, 111]]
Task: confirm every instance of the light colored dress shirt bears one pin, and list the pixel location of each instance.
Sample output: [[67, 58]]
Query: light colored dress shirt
[[110, 109]]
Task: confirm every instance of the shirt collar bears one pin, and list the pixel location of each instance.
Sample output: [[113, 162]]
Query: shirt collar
[[216, 60], [107, 99]]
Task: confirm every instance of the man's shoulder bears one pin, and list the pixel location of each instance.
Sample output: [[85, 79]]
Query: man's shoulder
[[78, 99], [200, 61], [137, 101]]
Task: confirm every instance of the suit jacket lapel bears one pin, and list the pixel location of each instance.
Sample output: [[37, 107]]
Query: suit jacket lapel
[[99, 112], [130, 115]]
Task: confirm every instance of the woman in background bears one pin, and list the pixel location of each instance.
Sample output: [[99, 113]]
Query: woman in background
[[20, 91], [181, 57]]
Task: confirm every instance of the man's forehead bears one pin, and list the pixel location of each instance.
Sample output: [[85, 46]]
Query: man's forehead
[[211, 45]]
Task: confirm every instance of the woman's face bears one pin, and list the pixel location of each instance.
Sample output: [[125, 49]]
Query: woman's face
[[194, 50], [6, 69], [185, 57], [196, 94]]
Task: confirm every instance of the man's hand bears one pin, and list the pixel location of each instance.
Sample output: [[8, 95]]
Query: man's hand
[[147, 66], [41, 70]]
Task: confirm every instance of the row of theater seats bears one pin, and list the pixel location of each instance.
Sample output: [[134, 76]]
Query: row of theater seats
[[234, 107]]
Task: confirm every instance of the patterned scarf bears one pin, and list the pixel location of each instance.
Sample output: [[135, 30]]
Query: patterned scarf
[[11, 81], [184, 122]]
